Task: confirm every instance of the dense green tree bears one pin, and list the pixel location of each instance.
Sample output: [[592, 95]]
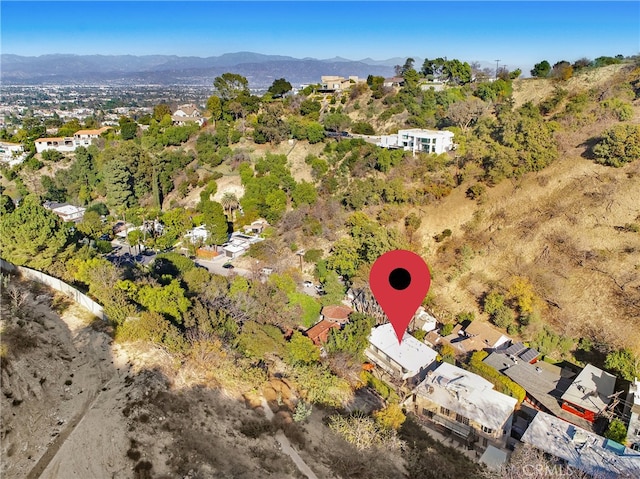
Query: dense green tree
[[304, 194], [336, 121], [616, 431], [91, 224], [169, 299], [541, 70], [214, 105], [216, 222], [6, 205], [301, 350], [119, 184], [31, 235], [625, 363], [229, 86], [128, 128], [279, 88]]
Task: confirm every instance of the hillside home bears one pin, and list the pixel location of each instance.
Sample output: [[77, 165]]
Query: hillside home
[[334, 83], [481, 335], [338, 313], [238, 244], [199, 234], [407, 360], [11, 153], [66, 211], [187, 113], [417, 140], [544, 384], [319, 332], [257, 227], [465, 404], [581, 449], [393, 82], [590, 393], [69, 144], [423, 320], [632, 413]]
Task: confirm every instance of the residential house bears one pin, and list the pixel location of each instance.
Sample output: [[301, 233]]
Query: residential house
[[187, 113], [63, 145], [12, 153], [66, 211], [590, 393], [632, 412], [238, 244], [581, 449], [407, 360], [86, 137], [257, 227], [423, 320], [393, 82], [334, 83], [69, 144], [418, 140], [465, 404], [481, 335], [338, 314], [520, 351], [199, 234], [319, 332], [545, 385]]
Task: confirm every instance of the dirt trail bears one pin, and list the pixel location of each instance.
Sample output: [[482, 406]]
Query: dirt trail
[[286, 446]]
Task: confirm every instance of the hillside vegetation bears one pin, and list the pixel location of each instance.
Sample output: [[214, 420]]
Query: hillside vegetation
[[532, 223]]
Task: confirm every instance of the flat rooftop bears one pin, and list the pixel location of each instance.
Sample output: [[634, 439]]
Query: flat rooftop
[[411, 354], [591, 389]]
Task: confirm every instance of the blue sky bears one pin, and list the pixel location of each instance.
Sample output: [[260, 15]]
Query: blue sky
[[516, 32]]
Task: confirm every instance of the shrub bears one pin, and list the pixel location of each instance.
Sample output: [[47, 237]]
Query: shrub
[[446, 329], [391, 417], [501, 382], [616, 431]]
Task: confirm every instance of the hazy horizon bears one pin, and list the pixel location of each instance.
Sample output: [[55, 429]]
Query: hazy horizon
[[517, 33]]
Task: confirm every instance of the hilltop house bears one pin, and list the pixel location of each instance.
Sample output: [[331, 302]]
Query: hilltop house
[[319, 332], [187, 113], [418, 140], [465, 404], [334, 83], [481, 335], [408, 360], [590, 393], [581, 449]]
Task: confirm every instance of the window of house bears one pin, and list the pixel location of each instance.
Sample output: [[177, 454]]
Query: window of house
[[426, 412], [444, 411], [461, 419], [484, 442], [486, 429]]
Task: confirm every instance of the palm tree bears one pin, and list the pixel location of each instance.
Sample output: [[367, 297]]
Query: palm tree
[[230, 204]]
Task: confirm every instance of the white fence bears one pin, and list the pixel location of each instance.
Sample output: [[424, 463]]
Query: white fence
[[59, 285]]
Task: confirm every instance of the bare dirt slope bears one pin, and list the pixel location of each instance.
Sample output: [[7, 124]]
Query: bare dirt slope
[[76, 405]]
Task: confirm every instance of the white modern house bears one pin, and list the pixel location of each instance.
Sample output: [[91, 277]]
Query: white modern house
[[199, 234], [11, 153], [418, 140], [407, 360], [187, 113], [69, 144]]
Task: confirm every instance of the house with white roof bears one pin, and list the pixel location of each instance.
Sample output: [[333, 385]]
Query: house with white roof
[[12, 153], [581, 449], [199, 234], [465, 404], [418, 140], [632, 414], [66, 211], [187, 113], [590, 393], [407, 360]]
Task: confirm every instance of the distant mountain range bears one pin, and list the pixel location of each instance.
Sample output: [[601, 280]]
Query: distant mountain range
[[259, 69]]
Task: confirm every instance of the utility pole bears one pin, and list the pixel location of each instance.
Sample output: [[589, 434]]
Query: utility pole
[[497, 63]]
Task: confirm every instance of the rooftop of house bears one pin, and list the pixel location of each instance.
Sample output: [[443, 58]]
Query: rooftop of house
[[319, 332], [544, 382], [591, 389], [484, 332], [581, 449], [518, 350], [337, 312], [423, 132], [467, 394], [46, 140], [189, 110], [411, 354]]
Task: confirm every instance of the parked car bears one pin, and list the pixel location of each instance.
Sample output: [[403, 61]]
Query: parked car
[[227, 266], [307, 284]]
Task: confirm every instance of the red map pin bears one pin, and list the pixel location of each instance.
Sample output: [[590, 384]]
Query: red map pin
[[399, 281]]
